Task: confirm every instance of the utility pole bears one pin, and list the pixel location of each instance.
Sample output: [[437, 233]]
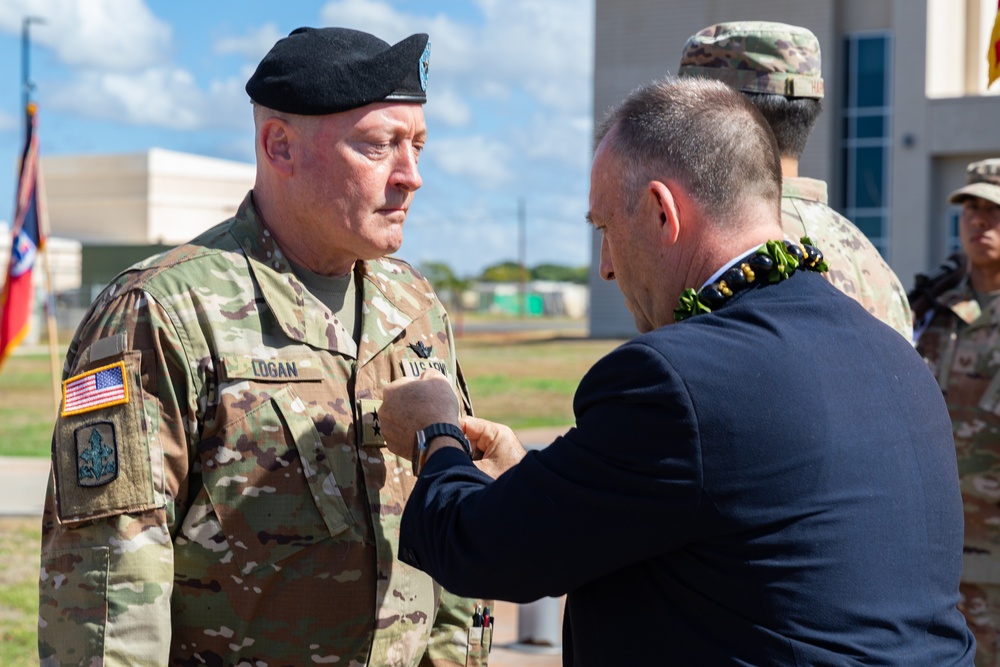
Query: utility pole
[[522, 254]]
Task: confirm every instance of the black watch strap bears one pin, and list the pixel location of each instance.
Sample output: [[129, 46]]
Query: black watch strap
[[425, 435]]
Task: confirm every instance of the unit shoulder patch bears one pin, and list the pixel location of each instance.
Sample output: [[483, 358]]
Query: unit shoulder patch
[[96, 454]]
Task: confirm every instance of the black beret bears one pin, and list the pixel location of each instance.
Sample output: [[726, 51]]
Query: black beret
[[317, 71]]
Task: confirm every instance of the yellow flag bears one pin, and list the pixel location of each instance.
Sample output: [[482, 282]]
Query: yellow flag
[[993, 55]]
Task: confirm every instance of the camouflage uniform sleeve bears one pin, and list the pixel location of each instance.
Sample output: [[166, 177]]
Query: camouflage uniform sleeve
[[900, 317], [119, 471], [856, 267]]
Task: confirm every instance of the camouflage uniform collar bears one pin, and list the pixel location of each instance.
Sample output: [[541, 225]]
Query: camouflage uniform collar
[[388, 305], [799, 187], [392, 300], [961, 300]]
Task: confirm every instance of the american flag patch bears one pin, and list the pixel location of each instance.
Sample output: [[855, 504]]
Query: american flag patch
[[99, 388]]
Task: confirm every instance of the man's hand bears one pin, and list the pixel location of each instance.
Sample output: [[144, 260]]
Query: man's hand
[[500, 447], [410, 404]]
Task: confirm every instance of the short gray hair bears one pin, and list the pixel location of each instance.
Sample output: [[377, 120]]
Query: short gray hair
[[700, 133]]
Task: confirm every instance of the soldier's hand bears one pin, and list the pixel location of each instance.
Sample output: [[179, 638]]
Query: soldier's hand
[[410, 404], [500, 447]]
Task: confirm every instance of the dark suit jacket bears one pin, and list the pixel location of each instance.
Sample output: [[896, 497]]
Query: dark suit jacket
[[773, 483]]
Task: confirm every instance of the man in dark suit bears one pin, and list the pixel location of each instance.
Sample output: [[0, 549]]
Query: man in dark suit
[[770, 481]]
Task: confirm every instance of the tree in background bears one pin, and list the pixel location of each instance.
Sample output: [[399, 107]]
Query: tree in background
[[504, 272], [448, 286], [560, 273], [511, 272]]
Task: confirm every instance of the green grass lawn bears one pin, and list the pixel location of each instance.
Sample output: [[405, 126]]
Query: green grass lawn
[[27, 406], [19, 549]]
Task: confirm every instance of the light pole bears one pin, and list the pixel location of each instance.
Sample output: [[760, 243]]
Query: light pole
[[522, 252]]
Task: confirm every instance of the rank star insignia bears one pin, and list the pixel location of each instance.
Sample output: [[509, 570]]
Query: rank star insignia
[[422, 350], [376, 425]]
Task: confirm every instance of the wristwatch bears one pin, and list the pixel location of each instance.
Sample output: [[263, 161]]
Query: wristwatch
[[424, 437]]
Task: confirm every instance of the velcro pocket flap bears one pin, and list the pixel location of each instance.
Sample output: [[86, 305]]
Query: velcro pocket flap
[[315, 463]]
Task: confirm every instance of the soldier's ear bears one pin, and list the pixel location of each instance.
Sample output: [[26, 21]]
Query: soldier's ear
[[275, 145]]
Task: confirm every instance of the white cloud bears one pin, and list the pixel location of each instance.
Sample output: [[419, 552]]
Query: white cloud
[[546, 47], [116, 35], [253, 46], [159, 97], [482, 159], [378, 18], [543, 48], [447, 106], [567, 142], [8, 122]]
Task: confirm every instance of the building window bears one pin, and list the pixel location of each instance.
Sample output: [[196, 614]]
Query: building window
[[866, 141]]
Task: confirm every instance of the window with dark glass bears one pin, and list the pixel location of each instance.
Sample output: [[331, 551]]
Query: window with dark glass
[[866, 140]]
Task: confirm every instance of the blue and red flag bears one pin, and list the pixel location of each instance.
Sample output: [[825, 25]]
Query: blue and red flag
[[27, 240]]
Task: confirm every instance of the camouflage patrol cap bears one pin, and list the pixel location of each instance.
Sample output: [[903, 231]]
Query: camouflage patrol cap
[[756, 57], [983, 180]]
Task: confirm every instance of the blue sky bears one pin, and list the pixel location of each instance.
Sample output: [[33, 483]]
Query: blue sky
[[509, 109]]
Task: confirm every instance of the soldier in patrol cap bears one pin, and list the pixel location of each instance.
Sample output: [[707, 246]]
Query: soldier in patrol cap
[[221, 493], [777, 66], [960, 341]]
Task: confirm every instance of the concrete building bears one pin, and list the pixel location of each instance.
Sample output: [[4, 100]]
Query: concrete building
[[537, 298], [906, 109], [153, 197], [124, 208]]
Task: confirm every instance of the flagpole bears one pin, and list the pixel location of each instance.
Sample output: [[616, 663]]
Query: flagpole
[[50, 300], [26, 83], [27, 86]]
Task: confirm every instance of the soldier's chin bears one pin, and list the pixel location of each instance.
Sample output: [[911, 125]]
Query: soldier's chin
[[388, 247]]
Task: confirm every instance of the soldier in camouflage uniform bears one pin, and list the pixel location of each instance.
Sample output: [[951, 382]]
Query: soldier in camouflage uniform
[[961, 343], [778, 67], [221, 493]]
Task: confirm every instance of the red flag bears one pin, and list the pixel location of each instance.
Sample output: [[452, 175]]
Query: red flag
[[26, 240]]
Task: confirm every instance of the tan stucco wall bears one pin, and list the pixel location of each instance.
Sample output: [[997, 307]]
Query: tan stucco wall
[[156, 196]]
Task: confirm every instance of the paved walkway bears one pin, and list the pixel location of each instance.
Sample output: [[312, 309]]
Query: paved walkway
[[22, 485]]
